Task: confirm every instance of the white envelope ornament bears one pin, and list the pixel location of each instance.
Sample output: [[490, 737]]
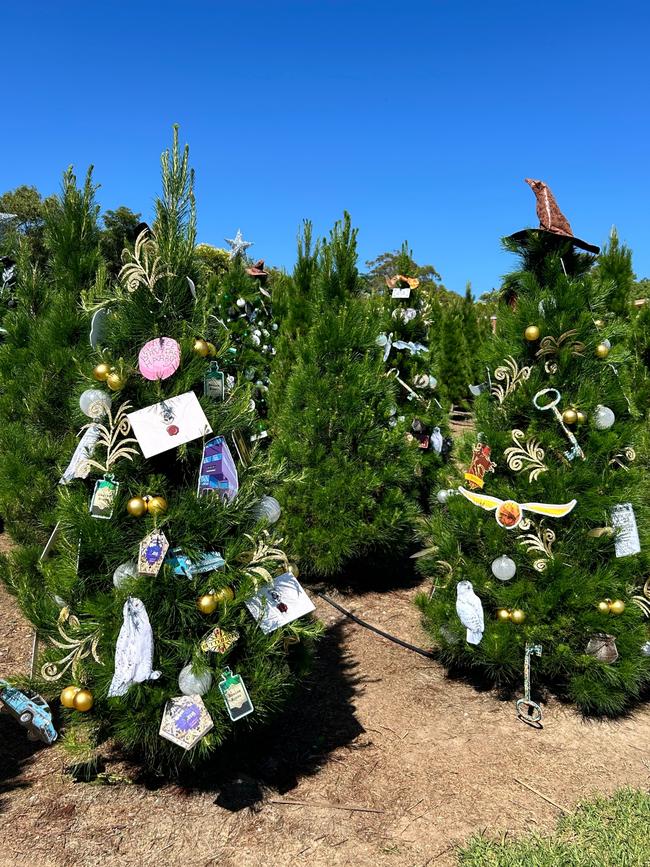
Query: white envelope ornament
[[170, 423]]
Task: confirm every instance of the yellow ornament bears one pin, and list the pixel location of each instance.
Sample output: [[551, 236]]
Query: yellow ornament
[[68, 695], [532, 333], [293, 568], [602, 350], [207, 604], [603, 606], [156, 505], [503, 614], [599, 323], [136, 507], [102, 371], [225, 594], [83, 701], [518, 616], [212, 349], [570, 416], [617, 606], [582, 418], [115, 381], [201, 347]]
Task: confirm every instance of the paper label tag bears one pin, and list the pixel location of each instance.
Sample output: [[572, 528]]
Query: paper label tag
[[627, 538], [235, 695]]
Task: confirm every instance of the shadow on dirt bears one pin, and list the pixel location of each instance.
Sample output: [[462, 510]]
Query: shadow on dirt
[[16, 752]]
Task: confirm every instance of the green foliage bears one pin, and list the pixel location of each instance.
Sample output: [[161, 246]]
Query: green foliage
[[119, 232], [454, 365], [150, 301], [602, 832], [560, 601], [401, 262], [212, 261], [30, 210], [348, 490]]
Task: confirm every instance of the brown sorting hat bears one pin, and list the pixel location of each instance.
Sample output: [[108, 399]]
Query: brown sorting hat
[[399, 280], [551, 219], [257, 270]]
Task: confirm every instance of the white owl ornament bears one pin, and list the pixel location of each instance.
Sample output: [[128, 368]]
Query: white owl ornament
[[470, 611]]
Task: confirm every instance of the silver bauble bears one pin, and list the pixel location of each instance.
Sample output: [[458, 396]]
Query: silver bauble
[[504, 568], [194, 684], [94, 402], [124, 572], [268, 508], [603, 417], [241, 302], [443, 495]]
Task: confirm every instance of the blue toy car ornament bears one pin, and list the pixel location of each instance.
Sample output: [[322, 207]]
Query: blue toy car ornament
[[32, 713]]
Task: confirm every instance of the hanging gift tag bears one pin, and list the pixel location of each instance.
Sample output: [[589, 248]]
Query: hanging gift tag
[[235, 695], [218, 640], [213, 382], [103, 498], [401, 292], [627, 538], [153, 549], [185, 721]]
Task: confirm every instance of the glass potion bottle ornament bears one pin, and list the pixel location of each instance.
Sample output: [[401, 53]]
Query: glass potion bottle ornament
[[235, 695], [213, 382], [102, 501]]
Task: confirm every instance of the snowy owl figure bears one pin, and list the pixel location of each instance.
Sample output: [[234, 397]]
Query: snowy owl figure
[[470, 611]]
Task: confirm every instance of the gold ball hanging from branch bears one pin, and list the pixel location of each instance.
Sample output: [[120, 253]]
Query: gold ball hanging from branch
[[293, 568], [582, 418], [68, 695], [617, 606], [225, 594], [532, 333], [207, 604], [602, 350], [503, 614], [136, 507], [599, 323], [156, 505], [212, 349], [115, 381], [83, 701], [603, 606], [570, 416], [517, 616], [101, 371], [201, 347]]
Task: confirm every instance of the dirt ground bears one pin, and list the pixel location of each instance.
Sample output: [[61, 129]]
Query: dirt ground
[[389, 761]]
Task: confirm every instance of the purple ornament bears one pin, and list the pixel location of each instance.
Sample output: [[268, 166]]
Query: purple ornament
[[218, 470], [154, 552], [189, 718]]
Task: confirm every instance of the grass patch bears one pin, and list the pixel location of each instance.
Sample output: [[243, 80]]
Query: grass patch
[[603, 832]]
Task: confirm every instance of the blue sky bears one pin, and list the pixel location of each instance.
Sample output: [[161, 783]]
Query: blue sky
[[420, 118]]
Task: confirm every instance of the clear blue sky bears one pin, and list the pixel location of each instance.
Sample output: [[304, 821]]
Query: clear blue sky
[[420, 118]]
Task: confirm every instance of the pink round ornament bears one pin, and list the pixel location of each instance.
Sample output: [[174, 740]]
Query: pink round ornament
[[159, 358]]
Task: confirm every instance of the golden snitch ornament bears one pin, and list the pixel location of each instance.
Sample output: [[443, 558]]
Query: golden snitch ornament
[[510, 514]]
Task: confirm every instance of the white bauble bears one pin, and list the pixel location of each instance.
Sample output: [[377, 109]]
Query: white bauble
[[124, 572], [241, 302], [194, 684], [603, 417], [504, 568], [433, 382], [645, 648], [95, 403], [443, 495], [269, 508]]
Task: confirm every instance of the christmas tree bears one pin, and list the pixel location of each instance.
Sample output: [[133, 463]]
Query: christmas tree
[[166, 611], [46, 339], [540, 543], [412, 313], [454, 367], [350, 475]]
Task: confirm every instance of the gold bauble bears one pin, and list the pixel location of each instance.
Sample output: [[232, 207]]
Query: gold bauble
[[617, 606], [518, 616], [136, 507], [102, 371], [602, 350], [156, 505], [503, 614], [207, 604], [201, 347], [582, 418], [532, 333], [212, 349], [293, 568], [83, 701], [603, 606], [115, 381], [599, 323], [225, 594], [570, 416], [68, 695]]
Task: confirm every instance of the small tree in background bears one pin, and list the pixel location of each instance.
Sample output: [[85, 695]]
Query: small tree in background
[[454, 365], [119, 231], [350, 476]]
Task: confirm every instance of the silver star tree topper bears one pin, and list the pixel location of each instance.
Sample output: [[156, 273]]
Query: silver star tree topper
[[237, 244]]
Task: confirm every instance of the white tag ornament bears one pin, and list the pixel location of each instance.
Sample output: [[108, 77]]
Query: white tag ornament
[[627, 538], [235, 695]]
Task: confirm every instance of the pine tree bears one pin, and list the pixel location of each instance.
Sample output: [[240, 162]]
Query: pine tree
[[473, 336], [568, 588], [348, 490], [46, 341], [105, 581], [453, 357]]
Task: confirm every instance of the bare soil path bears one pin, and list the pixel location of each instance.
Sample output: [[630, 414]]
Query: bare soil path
[[425, 761]]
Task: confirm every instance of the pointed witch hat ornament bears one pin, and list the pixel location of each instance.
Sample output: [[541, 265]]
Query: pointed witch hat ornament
[[257, 270], [551, 219]]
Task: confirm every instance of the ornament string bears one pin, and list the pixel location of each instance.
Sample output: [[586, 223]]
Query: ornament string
[[428, 653]]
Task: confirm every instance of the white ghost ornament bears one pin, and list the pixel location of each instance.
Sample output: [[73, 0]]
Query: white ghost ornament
[[470, 611], [134, 649]]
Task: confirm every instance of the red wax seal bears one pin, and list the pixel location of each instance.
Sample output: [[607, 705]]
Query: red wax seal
[[172, 430]]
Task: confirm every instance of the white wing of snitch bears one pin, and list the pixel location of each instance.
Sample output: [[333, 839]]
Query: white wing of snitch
[[553, 510], [134, 649]]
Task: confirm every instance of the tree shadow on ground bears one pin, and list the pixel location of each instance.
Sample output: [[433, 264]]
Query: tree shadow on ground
[[376, 574], [16, 752], [319, 718]]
